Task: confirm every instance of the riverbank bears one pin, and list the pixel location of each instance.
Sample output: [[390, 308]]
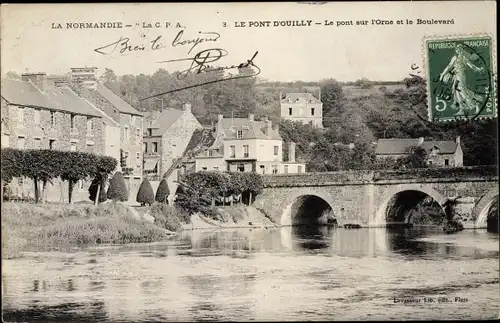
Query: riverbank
[[35, 227]]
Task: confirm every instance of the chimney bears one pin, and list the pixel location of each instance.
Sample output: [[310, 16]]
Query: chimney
[[319, 94], [251, 117], [457, 140], [39, 79], [420, 141], [291, 152], [187, 107], [269, 127]]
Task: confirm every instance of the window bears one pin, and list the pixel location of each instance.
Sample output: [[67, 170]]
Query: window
[[239, 134], [299, 169], [52, 118], [241, 167], [155, 147], [37, 116], [20, 142], [38, 143], [145, 146], [262, 169], [73, 122], [311, 123], [286, 169], [90, 125], [446, 162], [276, 150], [245, 151], [21, 115], [290, 111], [150, 132], [73, 146], [312, 111], [274, 169], [216, 167], [138, 156], [126, 135], [51, 143], [232, 151], [210, 153], [138, 134], [203, 168]]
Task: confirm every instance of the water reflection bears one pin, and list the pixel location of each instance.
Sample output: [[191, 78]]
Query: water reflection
[[322, 272]]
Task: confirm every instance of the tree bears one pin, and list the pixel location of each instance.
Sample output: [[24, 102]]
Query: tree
[[104, 167], [162, 192], [117, 190], [77, 166], [94, 189], [416, 158], [145, 195]]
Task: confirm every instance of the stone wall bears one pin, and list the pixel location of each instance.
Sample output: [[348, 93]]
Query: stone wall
[[363, 197]]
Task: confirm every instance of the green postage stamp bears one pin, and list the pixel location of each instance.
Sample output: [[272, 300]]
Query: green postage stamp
[[460, 79]]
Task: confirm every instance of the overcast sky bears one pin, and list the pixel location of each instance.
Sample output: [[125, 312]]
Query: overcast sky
[[311, 53]]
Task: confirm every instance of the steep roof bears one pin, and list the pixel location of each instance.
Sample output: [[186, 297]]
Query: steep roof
[[166, 119], [56, 98], [24, 93], [251, 129], [300, 97], [445, 147], [67, 100], [116, 101], [399, 146], [107, 119]]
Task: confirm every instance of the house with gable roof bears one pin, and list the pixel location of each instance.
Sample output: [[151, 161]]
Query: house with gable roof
[[247, 145], [302, 107], [39, 115], [166, 139], [440, 153]]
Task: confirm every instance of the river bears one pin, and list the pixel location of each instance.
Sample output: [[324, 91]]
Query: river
[[287, 273]]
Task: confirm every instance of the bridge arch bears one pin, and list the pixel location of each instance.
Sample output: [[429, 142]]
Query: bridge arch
[[389, 195], [481, 209], [323, 201]]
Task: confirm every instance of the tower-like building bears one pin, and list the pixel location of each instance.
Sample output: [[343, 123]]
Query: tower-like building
[[302, 107]]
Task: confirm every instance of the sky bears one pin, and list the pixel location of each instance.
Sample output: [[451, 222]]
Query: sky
[[306, 53]]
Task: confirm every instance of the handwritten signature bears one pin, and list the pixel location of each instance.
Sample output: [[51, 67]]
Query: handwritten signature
[[125, 45], [200, 64]]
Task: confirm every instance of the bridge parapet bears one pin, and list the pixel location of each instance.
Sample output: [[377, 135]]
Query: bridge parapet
[[370, 176]]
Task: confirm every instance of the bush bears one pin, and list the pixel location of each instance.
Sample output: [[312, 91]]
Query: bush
[[167, 217], [145, 195], [117, 190], [93, 191], [162, 192]]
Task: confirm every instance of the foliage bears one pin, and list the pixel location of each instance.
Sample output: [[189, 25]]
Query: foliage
[[416, 158], [45, 165], [169, 217], [200, 190], [453, 226], [145, 195], [123, 164], [117, 190], [162, 192], [93, 191]]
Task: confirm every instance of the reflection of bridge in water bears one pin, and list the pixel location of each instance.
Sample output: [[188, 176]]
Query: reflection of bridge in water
[[369, 197]]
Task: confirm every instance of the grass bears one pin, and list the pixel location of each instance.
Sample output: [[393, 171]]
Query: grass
[[37, 227]]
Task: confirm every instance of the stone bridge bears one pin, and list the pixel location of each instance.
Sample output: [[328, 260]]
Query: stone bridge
[[367, 197]]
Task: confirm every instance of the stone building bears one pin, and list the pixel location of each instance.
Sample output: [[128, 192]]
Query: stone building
[[247, 145], [131, 130], [439, 153], [302, 107], [38, 116], [166, 139]]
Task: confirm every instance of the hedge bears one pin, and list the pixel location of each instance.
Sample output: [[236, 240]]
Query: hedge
[[45, 165], [117, 190], [162, 192], [145, 195]]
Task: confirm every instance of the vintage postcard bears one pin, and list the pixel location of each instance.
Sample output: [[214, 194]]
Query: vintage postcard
[[249, 161]]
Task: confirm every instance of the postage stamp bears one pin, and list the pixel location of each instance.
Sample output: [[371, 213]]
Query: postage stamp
[[460, 79]]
